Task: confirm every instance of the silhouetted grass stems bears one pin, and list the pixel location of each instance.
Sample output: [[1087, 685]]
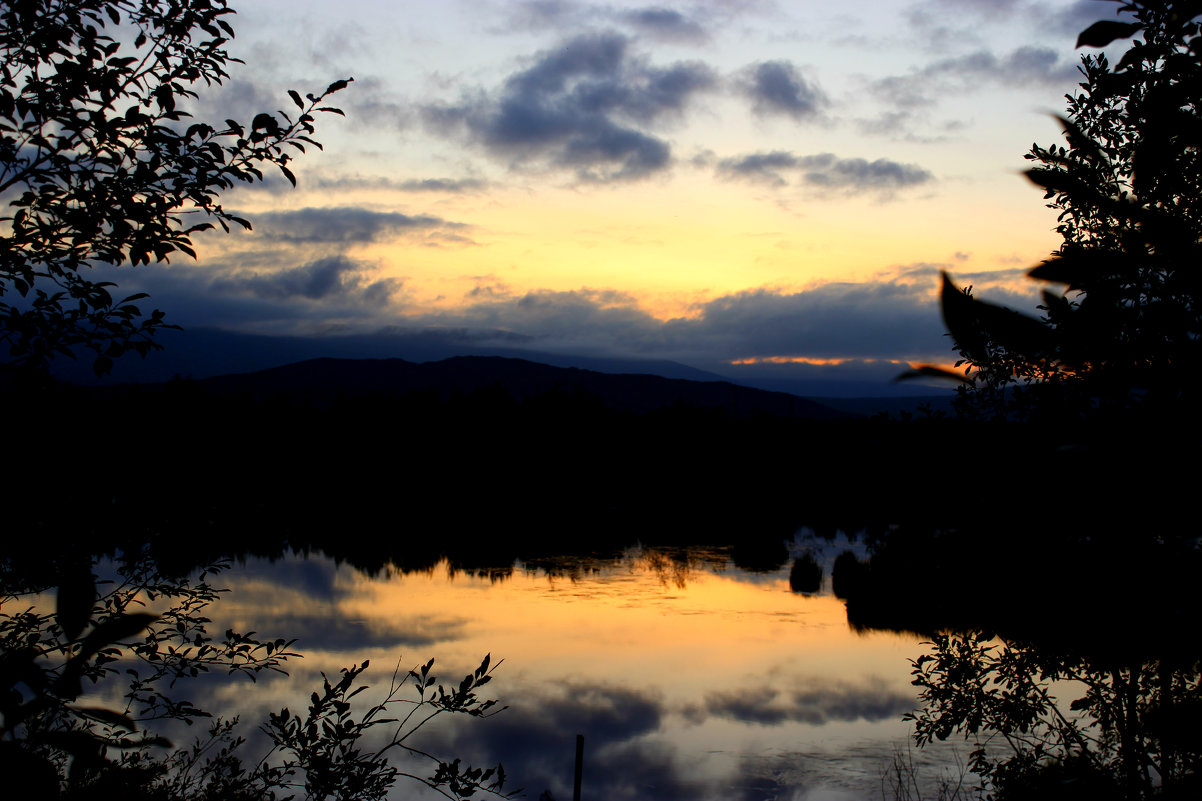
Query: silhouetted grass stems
[[907, 780]]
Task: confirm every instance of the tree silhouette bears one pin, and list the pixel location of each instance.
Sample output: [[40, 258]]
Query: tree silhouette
[[100, 164], [1128, 188]]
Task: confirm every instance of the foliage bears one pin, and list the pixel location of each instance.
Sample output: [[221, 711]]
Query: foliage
[[99, 163], [1057, 726], [53, 663], [1128, 189]]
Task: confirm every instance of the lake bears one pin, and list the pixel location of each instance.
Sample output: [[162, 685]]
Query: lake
[[687, 676]]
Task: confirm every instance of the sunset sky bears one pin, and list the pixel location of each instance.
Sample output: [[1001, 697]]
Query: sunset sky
[[732, 184]]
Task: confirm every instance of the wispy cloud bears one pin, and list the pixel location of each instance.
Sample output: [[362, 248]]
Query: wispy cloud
[[659, 23], [665, 24], [824, 170], [1024, 66], [342, 224]]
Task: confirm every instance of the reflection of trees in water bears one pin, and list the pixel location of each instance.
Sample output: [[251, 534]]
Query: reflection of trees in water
[[675, 566], [1065, 656], [671, 565], [87, 687], [1065, 650], [1077, 726]]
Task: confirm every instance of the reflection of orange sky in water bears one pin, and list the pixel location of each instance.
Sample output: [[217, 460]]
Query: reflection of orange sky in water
[[700, 647], [631, 620]]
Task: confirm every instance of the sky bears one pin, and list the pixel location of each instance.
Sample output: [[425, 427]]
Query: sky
[[736, 185]]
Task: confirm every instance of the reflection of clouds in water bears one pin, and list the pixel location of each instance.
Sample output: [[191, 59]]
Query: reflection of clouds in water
[[658, 692], [815, 703], [535, 740], [304, 599], [337, 633], [317, 579], [628, 753]]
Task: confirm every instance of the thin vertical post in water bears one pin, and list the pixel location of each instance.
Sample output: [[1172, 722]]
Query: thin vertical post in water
[[579, 767]]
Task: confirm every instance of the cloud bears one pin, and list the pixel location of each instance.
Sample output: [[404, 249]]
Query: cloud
[[895, 317], [886, 319], [336, 277], [586, 106], [371, 102], [537, 14], [342, 224], [1070, 20], [777, 87], [454, 186], [665, 24], [239, 99], [1024, 66], [317, 179], [987, 8], [765, 167], [824, 170], [655, 22]]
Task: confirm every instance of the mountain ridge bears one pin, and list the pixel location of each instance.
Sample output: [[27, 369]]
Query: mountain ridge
[[323, 380]]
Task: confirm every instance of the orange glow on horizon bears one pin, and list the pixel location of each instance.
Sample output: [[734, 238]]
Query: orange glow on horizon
[[823, 362], [837, 361]]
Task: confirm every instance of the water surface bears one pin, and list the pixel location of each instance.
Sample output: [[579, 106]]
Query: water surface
[[688, 677]]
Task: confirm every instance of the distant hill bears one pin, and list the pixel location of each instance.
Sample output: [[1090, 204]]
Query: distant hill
[[208, 352], [323, 381]]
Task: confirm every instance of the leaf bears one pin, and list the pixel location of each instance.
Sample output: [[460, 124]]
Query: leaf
[[981, 328], [1105, 31], [960, 318], [109, 716], [113, 631], [1080, 141], [1082, 268], [76, 594], [931, 371], [296, 98], [142, 742]]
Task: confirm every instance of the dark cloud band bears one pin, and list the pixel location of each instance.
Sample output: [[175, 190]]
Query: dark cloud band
[[826, 170]]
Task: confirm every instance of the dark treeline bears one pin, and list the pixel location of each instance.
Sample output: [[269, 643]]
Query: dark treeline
[[483, 477]]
